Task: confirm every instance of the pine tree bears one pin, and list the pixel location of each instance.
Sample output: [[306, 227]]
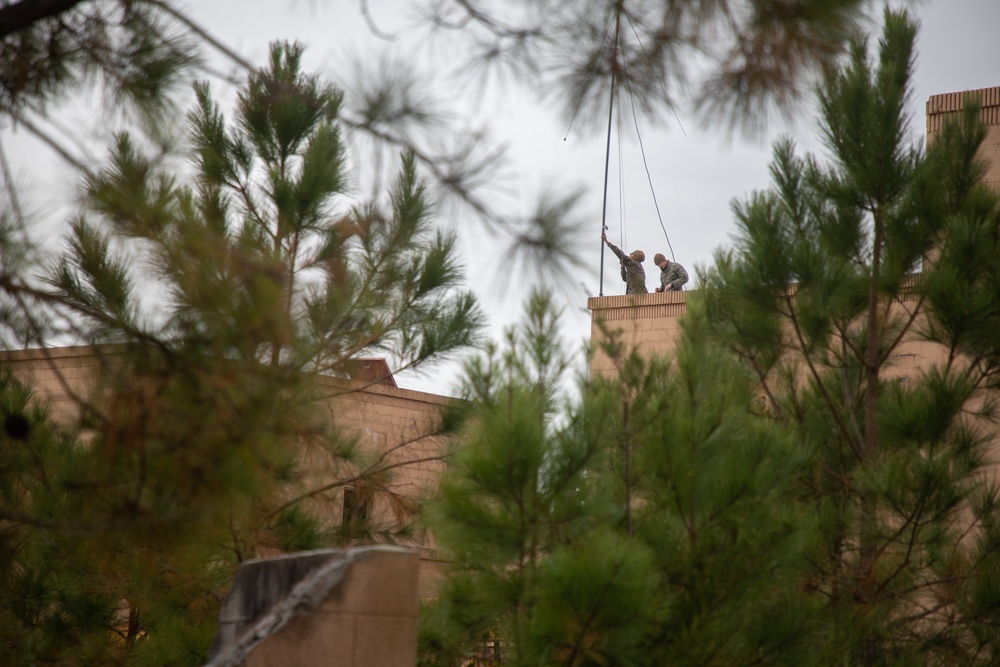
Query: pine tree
[[554, 563], [539, 577], [787, 496], [719, 506], [228, 302], [835, 270]]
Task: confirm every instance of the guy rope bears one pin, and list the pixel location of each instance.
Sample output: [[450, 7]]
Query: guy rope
[[615, 49]]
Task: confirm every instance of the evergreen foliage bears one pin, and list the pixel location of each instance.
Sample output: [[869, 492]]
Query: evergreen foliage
[[137, 51], [755, 56], [774, 492], [228, 302], [771, 494], [819, 298], [535, 514], [519, 511]]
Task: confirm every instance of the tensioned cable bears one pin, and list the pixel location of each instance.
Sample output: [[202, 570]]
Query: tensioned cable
[[642, 149], [622, 227]]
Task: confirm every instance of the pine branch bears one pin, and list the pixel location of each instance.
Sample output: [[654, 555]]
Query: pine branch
[[804, 349], [45, 137], [372, 470], [187, 22], [22, 15]]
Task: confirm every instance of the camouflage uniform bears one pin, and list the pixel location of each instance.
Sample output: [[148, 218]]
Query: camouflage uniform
[[634, 274], [672, 277]]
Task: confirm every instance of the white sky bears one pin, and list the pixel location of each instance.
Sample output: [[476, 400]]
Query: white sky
[[695, 177]]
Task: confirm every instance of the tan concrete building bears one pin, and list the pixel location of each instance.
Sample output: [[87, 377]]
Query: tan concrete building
[[337, 608], [940, 107], [649, 323], [389, 422]]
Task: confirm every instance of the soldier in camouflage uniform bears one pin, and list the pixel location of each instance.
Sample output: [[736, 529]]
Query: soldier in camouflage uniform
[[632, 272], [672, 274]]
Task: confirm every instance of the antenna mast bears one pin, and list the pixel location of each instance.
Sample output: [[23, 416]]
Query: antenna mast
[[607, 153]]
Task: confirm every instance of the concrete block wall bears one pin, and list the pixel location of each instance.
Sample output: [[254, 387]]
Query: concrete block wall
[[647, 322], [651, 324], [62, 377], [391, 424], [326, 608], [941, 107]]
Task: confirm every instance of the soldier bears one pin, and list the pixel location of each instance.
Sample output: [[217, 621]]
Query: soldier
[[632, 272], [672, 274]]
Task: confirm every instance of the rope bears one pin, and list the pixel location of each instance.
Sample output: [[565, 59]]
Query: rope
[[642, 149], [616, 20], [622, 228], [662, 87]]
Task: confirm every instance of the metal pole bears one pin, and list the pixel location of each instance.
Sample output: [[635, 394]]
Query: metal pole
[[607, 153]]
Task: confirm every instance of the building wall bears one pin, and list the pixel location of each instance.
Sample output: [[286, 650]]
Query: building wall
[[391, 425], [61, 377], [650, 323], [941, 107]]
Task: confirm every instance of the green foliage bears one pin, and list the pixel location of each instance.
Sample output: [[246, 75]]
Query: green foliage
[[137, 51], [753, 55], [228, 304], [642, 523], [719, 506], [819, 299], [776, 491], [516, 492], [595, 604], [297, 531], [44, 607]]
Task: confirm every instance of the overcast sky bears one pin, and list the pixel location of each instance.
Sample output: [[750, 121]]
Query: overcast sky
[[695, 172]]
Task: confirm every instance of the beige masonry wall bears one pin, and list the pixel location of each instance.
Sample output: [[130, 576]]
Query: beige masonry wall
[[62, 377], [385, 417], [647, 322], [940, 107], [391, 425], [650, 324]]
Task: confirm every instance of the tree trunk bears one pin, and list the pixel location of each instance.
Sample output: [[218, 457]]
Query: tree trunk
[[869, 447]]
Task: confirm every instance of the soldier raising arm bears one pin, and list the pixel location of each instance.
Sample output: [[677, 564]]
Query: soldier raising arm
[[632, 272]]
